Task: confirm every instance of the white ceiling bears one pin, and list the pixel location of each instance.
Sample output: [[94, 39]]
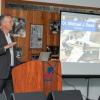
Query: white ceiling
[[89, 3]]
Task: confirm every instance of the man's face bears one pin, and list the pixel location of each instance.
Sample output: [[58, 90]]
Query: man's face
[[7, 23]]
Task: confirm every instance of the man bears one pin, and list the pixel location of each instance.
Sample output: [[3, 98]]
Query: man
[[7, 55]]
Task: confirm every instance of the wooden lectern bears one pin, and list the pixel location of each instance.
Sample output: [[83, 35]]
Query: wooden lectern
[[37, 76]]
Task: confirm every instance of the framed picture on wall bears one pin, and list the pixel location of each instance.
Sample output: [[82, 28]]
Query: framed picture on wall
[[19, 27], [36, 36], [55, 27]]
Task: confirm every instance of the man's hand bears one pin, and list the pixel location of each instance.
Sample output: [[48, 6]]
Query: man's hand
[[10, 45]]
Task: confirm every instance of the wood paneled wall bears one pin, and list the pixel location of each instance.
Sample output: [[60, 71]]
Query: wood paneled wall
[[0, 7], [35, 17]]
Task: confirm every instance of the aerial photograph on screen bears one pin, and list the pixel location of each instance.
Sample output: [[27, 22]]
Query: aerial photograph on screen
[[80, 38]]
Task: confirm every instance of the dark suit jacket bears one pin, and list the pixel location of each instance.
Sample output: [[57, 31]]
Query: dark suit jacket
[[5, 57]]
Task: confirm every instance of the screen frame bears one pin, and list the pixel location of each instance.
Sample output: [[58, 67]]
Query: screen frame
[[77, 75]]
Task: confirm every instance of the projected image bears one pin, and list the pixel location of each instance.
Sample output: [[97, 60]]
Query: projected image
[[79, 40]]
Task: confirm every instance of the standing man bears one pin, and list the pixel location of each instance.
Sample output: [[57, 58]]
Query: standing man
[[7, 55]]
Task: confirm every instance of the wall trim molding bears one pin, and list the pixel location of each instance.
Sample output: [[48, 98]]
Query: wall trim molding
[[25, 5]]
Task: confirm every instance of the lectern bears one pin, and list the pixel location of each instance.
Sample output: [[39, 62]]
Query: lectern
[[37, 76]]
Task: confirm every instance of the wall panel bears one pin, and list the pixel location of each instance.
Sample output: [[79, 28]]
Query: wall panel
[[35, 17]]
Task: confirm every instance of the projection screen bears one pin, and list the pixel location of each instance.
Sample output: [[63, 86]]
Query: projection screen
[[80, 43]]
